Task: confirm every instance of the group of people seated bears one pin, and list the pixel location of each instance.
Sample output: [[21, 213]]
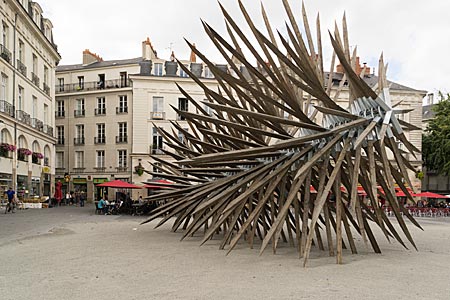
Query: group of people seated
[[123, 204]]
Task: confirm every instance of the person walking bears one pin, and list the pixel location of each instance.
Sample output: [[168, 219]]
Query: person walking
[[11, 195], [82, 198]]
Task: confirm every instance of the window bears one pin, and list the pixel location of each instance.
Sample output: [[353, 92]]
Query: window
[[158, 108], [80, 131], [101, 106], [208, 73], [122, 129], [158, 69], [4, 87], [60, 135], [21, 52], [61, 84], [35, 109], [80, 83], [60, 108], [79, 134], [45, 75], [122, 159], [100, 139], [123, 79], [156, 167], [60, 160], [157, 142], [183, 73], [5, 34], [123, 104], [35, 64], [79, 159], [79, 111], [101, 81], [208, 109], [181, 135], [183, 106], [46, 120], [20, 98], [100, 161]]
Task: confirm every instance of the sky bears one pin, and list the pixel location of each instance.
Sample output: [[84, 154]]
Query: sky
[[412, 35]]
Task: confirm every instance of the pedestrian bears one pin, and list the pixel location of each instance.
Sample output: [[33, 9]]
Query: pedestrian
[[82, 198], [77, 198], [10, 193], [67, 200]]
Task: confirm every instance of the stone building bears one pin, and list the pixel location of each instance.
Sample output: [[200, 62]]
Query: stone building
[[28, 59], [106, 114]]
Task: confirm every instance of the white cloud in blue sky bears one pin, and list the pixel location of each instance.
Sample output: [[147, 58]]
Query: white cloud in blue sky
[[412, 34]]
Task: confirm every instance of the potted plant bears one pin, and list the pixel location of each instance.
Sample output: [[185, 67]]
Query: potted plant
[[23, 153], [5, 149], [36, 156], [139, 169]]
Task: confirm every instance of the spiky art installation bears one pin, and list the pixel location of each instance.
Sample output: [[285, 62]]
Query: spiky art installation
[[248, 170]]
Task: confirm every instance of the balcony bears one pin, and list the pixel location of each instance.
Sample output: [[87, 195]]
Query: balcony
[[23, 117], [48, 129], [156, 150], [121, 169], [60, 170], [60, 141], [78, 141], [46, 88], [92, 86], [158, 115], [100, 111], [35, 79], [78, 113], [22, 68], [37, 124], [60, 114], [5, 53], [121, 139], [99, 169], [7, 108], [122, 110], [99, 140]]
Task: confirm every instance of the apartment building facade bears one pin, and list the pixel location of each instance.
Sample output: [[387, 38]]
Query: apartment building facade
[[106, 115], [28, 59]]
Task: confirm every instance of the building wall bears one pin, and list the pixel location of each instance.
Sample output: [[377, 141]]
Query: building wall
[[26, 98]]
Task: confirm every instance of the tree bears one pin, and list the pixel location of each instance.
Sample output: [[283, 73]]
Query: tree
[[436, 140]]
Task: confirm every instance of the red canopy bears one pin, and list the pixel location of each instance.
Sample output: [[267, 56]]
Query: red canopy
[[119, 184], [431, 195], [158, 184]]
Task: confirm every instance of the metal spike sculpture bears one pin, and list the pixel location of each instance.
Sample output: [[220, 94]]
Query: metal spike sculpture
[[247, 171]]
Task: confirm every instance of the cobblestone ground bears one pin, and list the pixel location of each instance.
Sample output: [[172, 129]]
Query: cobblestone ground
[[71, 253]]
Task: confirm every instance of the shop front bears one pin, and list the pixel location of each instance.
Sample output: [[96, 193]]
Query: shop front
[[22, 187], [99, 192], [80, 185], [35, 187], [5, 183]]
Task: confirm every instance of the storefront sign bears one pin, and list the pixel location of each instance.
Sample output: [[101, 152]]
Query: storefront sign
[[46, 170], [100, 180], [79, 181]]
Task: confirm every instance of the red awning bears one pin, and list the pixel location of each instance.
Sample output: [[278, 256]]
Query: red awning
[[431, 195], [119, 184], [159, 184]]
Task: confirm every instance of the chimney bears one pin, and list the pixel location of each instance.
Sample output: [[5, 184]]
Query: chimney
[[193, 57], [148, 53], [89, 57], [358, 68]]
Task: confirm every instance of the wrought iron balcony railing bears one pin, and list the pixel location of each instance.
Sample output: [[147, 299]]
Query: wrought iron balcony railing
[[121, 169], [78, 141], [122, 110], [158, 115], [5, 53], [7, 108], [100, 111], [100, 169], [60, 114], [99, 140], [23, 117], [48, 129], [22, 68], [35, 79], [46, 88], [120, 139], [37, 124], [91, 86], [78, 113]]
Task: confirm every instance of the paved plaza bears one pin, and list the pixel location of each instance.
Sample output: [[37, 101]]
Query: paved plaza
[[71, 253]]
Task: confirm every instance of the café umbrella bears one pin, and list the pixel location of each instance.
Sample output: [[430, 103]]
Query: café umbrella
[[119, 184], [431, 195]]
